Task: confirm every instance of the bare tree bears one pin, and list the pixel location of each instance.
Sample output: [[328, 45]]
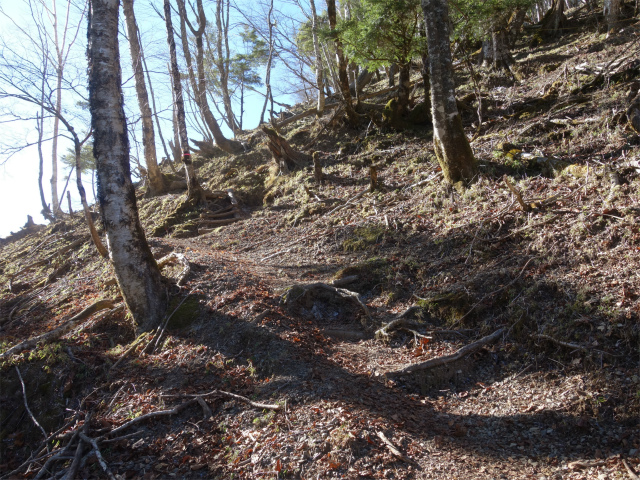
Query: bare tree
[[199, 85], [63, 40], [194, 190], [136, 270], [343, 76], [156, 179]]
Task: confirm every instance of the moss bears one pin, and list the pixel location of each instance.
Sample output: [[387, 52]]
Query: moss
[[185, 315], [390, 114], [448, 306], [362, 238]]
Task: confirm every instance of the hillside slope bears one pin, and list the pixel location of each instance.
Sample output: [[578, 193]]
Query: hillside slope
[[268, 310]]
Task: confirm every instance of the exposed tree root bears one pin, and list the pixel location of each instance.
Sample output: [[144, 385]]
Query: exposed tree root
[[632, 474], [61, 330], [445, 359]]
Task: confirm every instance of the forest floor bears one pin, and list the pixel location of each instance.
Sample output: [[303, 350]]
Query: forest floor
[[556, 394]]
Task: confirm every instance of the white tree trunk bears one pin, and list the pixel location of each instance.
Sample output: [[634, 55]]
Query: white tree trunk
[[318, 54], [136, 270]]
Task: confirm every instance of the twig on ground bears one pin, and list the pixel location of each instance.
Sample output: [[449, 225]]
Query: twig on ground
[[632, 474], [75, 464], [575, 346], [392, 448], [160, 413], [166, 322], [26, 404], [234, 396], [445, 359], [98, 454], [61, 330], [347, 203]]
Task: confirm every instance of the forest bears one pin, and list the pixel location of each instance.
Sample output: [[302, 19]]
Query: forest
[[391, 239]]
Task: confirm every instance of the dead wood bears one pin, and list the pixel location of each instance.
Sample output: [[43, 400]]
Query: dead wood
[[96, 451], [340, 282], [26, 404], [132, 347], [174, 258], [516, 193], [160, 413], [61, 330], [348, 202], [284, 154], [301, 290], [445, 359], [306, 113], [574, 346], [392, 448], [632, 474], [233, 396]]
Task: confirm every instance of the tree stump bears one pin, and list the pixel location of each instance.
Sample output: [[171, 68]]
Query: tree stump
[[284, 154]]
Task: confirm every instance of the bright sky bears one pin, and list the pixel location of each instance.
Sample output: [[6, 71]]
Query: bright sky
[[19, 194]]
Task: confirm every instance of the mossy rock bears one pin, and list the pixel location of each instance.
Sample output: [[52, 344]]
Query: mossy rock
[[420, 114], [371, 273], [362, 238], [391, 115]]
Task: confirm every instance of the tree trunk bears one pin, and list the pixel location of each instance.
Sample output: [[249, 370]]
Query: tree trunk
[[199, 85], [156, 180], [450, 143], [194, 191], [223, 59], [153, 101], [553, 20], [46, 211], [267, 79], [136, 270], [404, 88], [502, 59], [426, 81], [612, 11], [55, 204], [343, 77], [318, 55]]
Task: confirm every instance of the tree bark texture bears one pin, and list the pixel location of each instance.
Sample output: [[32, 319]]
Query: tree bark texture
[[449, 140], [199, 85], [156, 180], [612, 12], [343, 77], [136, 270], [318, 55], [194, 191], [223, 59]]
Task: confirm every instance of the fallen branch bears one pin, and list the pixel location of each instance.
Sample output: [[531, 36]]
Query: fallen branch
[[392, 448], [26, 405], [632, 474], [574, 346], [348, 202], [140, 339], [445, 359], [160, 413], [61, 330], [96, 451], [234, 396]]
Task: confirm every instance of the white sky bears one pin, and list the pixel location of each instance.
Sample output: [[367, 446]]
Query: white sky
[[19, 194]]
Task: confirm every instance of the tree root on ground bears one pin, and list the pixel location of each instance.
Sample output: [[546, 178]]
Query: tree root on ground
[[174, 258], [445, 359], [81, 437], [61, 330]]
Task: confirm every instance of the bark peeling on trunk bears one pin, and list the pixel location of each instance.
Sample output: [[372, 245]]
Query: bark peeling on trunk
[[450, 142], [136, 270]]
